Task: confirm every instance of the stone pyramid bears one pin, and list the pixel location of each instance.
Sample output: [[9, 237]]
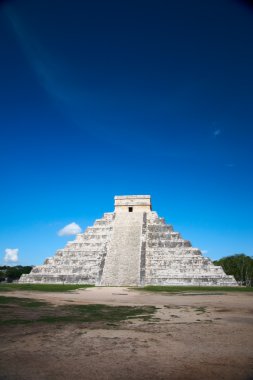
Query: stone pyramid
[[130, 246]]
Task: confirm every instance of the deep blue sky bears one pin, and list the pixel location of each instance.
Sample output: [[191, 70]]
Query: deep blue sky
[[104, 98]]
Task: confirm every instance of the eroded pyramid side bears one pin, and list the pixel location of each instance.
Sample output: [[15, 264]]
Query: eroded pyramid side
[[81, 261], [171, 260]]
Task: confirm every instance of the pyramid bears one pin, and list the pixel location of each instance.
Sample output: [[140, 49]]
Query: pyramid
[[131, 246]]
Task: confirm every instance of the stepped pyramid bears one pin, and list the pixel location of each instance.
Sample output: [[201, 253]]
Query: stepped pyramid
[[130, 246]]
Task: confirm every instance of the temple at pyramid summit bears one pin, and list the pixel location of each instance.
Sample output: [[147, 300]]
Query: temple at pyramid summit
[[131, 246]]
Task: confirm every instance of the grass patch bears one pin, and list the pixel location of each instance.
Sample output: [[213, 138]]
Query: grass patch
[[183, 289], [25, 302], [26, 310], [43, 287], [202, 294], [15, 322], [98, 312], [200, 310]]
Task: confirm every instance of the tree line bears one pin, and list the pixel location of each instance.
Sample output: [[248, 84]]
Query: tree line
[[10, 274], [238, 265]]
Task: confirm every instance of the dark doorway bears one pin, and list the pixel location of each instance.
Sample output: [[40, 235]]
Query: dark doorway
[[130, 209]]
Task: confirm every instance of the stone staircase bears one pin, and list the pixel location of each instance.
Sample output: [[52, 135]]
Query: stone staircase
[[122, 263]]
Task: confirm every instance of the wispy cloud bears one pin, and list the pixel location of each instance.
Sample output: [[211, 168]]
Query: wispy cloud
[[11, 255], [217, 132], [204, 251], [230, 165], [48, 69], [70, 229]]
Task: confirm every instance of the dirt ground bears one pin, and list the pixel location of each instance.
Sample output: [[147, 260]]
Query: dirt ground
[[191, 336]]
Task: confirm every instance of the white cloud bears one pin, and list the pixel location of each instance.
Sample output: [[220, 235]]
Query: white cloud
[[11, 255], [204, 251], [217, 132], [70, 229]]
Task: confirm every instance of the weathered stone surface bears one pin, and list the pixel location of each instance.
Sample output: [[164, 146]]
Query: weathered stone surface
[[122, 263], [131, 246], [80, 261]]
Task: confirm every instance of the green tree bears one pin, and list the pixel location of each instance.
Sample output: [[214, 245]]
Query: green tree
[[2, 275], [14, 273], [240, 266]]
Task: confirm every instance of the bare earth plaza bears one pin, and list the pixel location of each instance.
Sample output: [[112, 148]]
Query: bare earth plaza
[[121, 333]]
